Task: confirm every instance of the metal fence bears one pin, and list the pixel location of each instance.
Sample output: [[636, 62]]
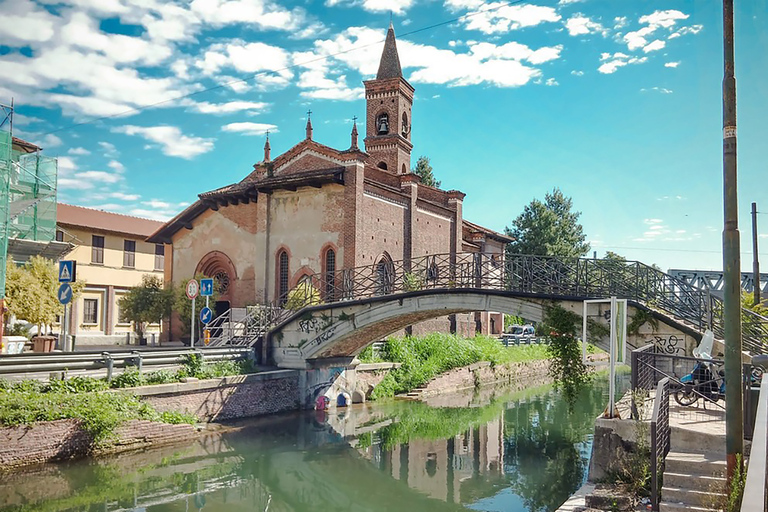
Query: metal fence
[[40, 366], [509, 340], [660, 438]]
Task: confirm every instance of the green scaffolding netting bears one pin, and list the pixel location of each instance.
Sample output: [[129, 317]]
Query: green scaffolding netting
[[6, 165]]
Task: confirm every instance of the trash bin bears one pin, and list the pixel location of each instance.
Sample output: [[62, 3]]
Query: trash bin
[[43, 343]]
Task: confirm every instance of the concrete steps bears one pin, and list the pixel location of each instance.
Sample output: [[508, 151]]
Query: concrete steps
[[692, 481]]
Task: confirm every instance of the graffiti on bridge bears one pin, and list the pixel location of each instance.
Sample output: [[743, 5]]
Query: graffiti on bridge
[[669, 343]]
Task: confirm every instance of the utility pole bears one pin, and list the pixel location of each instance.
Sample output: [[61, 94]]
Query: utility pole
[[755, 259], [734, 429]]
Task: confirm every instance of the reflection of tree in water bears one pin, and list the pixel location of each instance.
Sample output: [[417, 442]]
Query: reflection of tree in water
[[541, 447]]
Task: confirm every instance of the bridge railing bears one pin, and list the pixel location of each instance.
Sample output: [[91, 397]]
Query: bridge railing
[[576, 278]]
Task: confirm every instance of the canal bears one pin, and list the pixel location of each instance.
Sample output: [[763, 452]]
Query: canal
[[500, 452]]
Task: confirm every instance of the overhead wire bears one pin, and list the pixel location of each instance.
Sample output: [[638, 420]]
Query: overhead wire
[[280, 70]]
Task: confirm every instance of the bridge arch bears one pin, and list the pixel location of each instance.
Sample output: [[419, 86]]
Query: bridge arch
[[343, 330]]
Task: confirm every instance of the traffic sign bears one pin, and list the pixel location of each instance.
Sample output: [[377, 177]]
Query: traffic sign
[[206, 287], [64, 294], [67, 270], [192, 289], [206, 315]]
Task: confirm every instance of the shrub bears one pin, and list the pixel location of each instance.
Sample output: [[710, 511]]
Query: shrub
[[130, 378], [303, 295], [76, 384], [161, 377]]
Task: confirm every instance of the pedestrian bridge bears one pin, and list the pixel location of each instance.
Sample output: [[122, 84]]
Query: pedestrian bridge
[[351, 308]]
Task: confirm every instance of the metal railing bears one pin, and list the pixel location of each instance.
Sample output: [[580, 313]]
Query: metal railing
[[106, 363], [755, 496], [660, 438], [574, 279], [509, 340], [244, 326]]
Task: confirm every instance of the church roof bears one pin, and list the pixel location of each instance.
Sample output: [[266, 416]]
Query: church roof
[[476, 228], [389, 67]]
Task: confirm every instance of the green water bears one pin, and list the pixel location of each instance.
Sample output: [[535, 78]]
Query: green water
[[505, 452]]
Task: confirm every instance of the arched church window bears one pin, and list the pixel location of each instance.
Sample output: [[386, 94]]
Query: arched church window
[[330, 274], [382, 165], [385, 275], [282, 277], [382, 124], [406, 127]]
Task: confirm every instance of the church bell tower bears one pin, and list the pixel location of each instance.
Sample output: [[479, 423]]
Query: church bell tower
[[389, 98]]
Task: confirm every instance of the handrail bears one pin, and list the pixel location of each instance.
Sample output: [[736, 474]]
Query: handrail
[[755, 495], [660, 439]]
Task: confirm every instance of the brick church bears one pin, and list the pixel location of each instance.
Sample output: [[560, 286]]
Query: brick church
[[316, 209]]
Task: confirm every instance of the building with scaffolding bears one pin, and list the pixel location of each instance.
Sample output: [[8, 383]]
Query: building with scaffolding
[[27, 201]]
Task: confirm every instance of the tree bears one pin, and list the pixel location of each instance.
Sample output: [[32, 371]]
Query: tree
[[304, 294], [30, 291], [423, 170], [149, 302], [548, 228]]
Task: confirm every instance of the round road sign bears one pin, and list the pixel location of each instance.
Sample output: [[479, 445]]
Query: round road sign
[[206, 315], [65, 293], [193, 288]]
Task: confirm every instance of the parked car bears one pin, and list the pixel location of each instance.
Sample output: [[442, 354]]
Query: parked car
[[523, 330]]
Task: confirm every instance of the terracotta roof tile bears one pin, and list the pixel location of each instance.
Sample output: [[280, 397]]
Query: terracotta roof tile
[[90, 218]]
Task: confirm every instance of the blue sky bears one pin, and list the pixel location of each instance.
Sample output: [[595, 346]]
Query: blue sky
[[615, 102]]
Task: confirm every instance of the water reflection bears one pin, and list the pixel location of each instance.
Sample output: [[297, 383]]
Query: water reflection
[[516, 452]]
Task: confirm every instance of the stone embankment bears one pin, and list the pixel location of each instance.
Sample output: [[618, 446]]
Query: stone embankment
[[219, 399]]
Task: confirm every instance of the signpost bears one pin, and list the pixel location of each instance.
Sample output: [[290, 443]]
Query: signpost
[[206, 290], [192, 290], [67, 274]]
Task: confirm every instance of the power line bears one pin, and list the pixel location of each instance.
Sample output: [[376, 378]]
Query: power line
[[275, 71], [664, 249]]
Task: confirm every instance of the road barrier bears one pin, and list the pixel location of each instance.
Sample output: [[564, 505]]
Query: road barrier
[[106, 363]]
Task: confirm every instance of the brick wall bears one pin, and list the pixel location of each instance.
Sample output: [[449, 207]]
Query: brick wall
[[227, 398], [63, 439]]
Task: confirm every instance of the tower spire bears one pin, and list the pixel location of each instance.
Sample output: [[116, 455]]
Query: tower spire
[[309, 125], [354, 133], [267, 149], [389, 67]]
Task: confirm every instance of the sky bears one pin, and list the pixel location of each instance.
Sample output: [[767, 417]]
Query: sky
[[148, 103]]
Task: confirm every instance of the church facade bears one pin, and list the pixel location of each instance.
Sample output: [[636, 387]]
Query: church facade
[[316, 209]]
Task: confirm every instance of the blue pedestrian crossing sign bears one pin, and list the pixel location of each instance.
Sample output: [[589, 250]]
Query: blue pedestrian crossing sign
[[64, 294], [206, 287], [67, 269], [206, 315]]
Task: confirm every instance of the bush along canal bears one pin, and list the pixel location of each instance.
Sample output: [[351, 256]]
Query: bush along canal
[[509, 452]]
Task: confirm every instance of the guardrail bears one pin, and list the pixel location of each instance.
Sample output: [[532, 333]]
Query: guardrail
[[755, 497], [106, 363]]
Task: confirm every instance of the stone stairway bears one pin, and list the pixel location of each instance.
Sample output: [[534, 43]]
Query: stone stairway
[[694, 474]]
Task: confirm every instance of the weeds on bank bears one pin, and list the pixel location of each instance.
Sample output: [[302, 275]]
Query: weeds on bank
[[422, 358], [635, 468], [99, 412]]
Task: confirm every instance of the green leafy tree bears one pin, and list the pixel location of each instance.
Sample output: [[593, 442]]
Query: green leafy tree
[[149, 302], [423, 170], [183, 306], [548, 228], [30, 291]]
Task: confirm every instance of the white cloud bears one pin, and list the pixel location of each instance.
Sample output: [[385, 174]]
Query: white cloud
[[66, 164], [577, 73], [109, 150], [124, 196], [654, 21], [620, 22], [78, 151], [651, 222], [250, 128], [50, 141], [99, 176], [566, 2], [116, 166], [159, 213], [229, 107], [170, 139], [551, 81], [662, 90], [658, 44], [693, 29], [578, 25], [257, 14], [617, 60], [498, 17], [671, 64], [155, 203], [394, 6]]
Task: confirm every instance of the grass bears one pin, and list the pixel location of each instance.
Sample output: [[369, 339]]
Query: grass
[[423, 358], [85, 398], [99, 412]]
